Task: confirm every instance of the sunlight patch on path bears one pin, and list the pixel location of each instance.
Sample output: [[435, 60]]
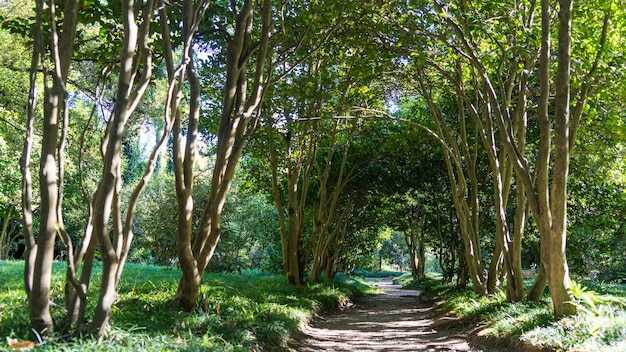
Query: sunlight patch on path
[[394, 321]]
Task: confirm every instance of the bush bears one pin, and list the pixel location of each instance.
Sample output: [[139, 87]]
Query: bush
[[383, 273]]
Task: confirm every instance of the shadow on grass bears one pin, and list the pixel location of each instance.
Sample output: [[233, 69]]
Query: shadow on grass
[[242, 312]]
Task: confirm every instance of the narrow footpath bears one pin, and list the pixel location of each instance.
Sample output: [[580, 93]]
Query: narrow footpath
[[395, 321]]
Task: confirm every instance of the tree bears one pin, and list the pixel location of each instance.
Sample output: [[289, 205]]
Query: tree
[[105, 207], [316, 152], [329, 220], [300, 148], [239, 109], [461, 156], [39, 252], [547, 197]]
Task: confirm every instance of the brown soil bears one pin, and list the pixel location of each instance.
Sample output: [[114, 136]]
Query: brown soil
[[399, 320]]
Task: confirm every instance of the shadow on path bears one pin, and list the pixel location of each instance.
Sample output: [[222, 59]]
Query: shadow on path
[[395, 321]]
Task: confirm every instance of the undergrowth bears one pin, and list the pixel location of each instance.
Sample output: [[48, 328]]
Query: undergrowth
[[379, 273], [238, 312], [599, 326]]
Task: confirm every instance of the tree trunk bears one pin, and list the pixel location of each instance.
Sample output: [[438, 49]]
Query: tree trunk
[[464, 185], [558, 272], [536, 291], [515, 288], [298, 168], [188, 290], [548, 198], [106, 200], [331, 266], [41, 319], [413, 258], [324, 211], [62, 47], [239, 109], [415, 241], [495, 268], [447, 258], [421, 254], [462, 272], [76, 304], [27, 184], [5, 238]]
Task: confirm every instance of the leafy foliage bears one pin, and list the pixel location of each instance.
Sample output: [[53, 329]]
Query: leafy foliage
[[336, 55]]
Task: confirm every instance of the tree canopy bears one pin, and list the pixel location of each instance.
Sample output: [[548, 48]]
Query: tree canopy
[[310, 138]]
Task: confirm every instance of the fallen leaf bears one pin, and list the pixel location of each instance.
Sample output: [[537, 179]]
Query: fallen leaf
[[21, 345], [178, 340]]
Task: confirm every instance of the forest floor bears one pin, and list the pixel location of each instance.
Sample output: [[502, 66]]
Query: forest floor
[[396, 321]]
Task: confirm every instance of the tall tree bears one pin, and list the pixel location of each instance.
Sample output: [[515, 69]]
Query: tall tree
[[461, 155], [330, 185], [40, 251], [107, 229], [300, 149], [134, 76], [547, 197], [241, 100]]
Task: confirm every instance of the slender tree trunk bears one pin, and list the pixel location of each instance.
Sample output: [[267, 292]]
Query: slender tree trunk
[[421, 254], [329, 269], [464, 185], [239, 109], [453, 244], [462, 272], [76, 303], [411, 244], [324, 213], [516, 289], [27, 184], [558, 272], [415, 241], [298, 168], [106, 201], [188, 290], [54, 98], [4, 238]]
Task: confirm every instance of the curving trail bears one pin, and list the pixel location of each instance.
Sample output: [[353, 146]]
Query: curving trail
[[395, 321]]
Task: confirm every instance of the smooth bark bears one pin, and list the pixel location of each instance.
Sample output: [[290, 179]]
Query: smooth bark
[[237, 121], [324, 211], [299, 153], [463, 181], [557, 270], [25, 160], [61, 50], [134, 76]]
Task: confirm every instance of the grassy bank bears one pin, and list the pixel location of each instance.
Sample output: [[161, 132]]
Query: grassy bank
[[241, 312], [600, 326]]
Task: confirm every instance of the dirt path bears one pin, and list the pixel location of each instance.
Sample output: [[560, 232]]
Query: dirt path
[[396, 321]]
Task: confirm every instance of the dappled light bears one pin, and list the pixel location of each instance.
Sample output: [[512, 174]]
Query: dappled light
[[395, 321], [219, 174]]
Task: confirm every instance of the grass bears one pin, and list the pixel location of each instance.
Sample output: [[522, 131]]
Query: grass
[[249, 311], [600, 325]]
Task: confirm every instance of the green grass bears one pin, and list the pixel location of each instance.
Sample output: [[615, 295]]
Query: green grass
[[600, 325], [245, 312]]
